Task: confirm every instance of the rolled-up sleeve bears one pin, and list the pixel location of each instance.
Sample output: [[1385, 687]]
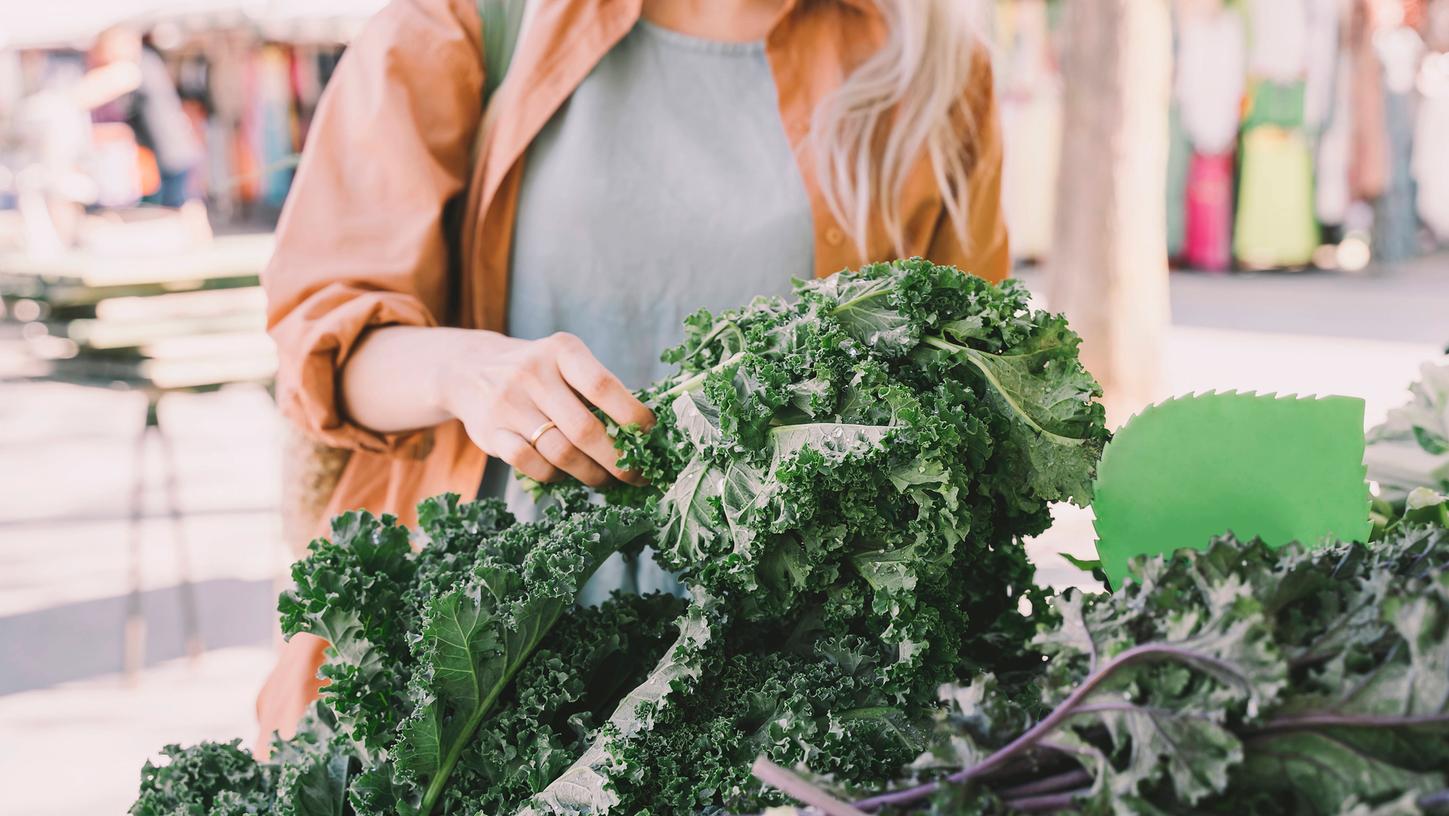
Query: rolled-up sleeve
[[986, 251], [361, 240]]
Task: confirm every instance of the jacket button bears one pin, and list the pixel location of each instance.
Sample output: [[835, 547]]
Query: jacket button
[[834, 236]]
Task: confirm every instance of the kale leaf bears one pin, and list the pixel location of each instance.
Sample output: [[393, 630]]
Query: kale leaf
[[1237, 679], [847, 476], [210, 778], [842, 478]]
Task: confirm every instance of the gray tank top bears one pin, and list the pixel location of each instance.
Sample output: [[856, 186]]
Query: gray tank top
[[665, 184]]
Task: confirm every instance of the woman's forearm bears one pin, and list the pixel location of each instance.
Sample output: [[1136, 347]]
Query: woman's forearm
[[527, 402], [394, 379]]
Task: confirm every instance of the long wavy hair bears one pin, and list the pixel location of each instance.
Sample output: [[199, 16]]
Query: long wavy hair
[[903, 101]]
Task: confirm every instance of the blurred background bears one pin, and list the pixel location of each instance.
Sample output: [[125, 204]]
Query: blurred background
[[1247, 195]]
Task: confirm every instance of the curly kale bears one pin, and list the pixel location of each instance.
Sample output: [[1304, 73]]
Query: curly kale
[[845, 477], [426, 646], [824, 709], [1239, 679], [466, 640], [210, 778], [842, 479], [887, 415], [864, 431], [579, 672], [590, 660]]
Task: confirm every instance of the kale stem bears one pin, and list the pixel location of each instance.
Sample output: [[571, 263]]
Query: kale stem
[[970, 355], [1065, 710], [455, 751], [1050, 784], [1045, 804], [870, 294], [713, 335], [695, 380], [777, 777], [1329, 720], [1434, 800]]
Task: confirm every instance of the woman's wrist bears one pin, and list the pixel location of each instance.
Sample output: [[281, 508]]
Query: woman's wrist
[[458, 353], [405, 378]]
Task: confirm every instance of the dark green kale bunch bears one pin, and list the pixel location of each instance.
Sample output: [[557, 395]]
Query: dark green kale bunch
[[307, 776], [1239, 679], [461, 675], [843, 478], [880, 418], [210, 778]]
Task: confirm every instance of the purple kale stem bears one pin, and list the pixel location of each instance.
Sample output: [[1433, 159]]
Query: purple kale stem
[[1050, 784], [1329, 720], [1433, 800], [1147, 651], [1046, 804], [899, 797]]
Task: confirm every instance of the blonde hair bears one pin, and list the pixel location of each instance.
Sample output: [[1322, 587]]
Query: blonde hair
[[905, 100]]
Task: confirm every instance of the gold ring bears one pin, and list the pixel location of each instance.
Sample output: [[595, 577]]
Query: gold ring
[[538, 434]]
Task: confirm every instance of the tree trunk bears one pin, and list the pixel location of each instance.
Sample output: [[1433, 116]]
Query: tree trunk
[[1108, 264]]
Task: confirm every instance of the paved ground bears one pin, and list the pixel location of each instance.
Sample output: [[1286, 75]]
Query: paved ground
[[67, 459]]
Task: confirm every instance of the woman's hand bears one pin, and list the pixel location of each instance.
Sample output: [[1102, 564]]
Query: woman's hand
[[289, 689], [528, 402]]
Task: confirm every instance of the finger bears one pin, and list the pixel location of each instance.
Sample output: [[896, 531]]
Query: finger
[[595, 383], [582, 428], [564, 454], [556, 447], [515, 450], [262, 748]]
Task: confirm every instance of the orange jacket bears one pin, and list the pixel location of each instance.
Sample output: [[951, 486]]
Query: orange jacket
[[362, 242]]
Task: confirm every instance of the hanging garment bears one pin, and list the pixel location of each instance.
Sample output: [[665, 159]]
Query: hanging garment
[[1436, 25], [1276, 104], [1396, 223], [223, 193], [1032, 133], [1208, 231], [275, 143], [199, 180], [1275, 226], [1279, 39], [115, 165], [1030, 102], [1321, 78], [1431, 147], [1331, 166], [1179, 159], [1368, 166], [1209, 87]]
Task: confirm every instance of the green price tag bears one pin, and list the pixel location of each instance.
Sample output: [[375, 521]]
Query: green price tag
[[1279, 468]]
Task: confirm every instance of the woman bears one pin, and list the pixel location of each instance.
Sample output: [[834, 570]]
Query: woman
[[679, 154], [153, 110]]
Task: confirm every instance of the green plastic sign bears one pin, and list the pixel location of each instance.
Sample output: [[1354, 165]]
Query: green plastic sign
[[1183, 471]]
